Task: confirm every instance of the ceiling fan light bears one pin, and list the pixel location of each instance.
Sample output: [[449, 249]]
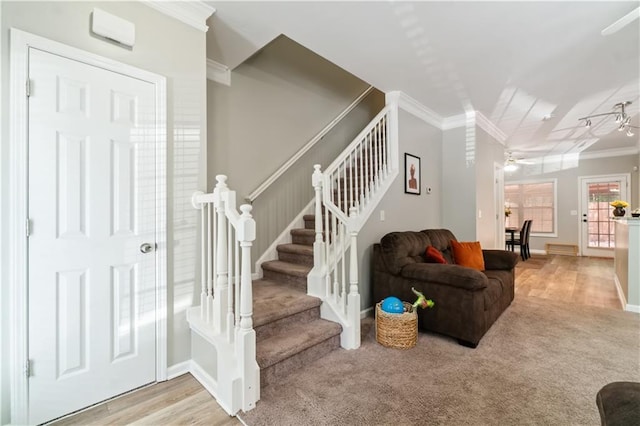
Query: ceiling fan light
[[627, 121], [629, 132], [621, 127], [618, 118], [587, 123], [510, 167]]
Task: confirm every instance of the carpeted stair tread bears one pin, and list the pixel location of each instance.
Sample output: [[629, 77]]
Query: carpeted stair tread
[[299, 337], [296, 249], [287, 268], [272, 301], [303, 231]]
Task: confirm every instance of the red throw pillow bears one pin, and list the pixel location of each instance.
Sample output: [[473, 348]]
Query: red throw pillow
[[468, 254], [433, 255]]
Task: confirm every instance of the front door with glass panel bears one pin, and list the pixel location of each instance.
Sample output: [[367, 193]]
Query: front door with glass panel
[[597, 225]]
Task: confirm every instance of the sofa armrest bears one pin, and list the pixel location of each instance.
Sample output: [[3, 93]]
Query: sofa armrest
[[451, 275], [499, 260]]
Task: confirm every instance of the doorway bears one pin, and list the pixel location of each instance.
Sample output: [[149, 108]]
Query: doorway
[[597, 236], [91, 297]]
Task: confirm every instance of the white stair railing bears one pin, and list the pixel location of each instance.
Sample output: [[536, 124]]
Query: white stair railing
[[224, 317], [346, 194]]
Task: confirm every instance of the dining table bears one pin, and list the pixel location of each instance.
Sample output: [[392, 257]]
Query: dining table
[[511, 230]]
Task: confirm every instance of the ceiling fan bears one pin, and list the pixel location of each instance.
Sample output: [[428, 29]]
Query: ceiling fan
[[622, 22], [511, 163]]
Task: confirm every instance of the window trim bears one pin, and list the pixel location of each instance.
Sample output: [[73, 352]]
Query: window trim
[[553, 181]]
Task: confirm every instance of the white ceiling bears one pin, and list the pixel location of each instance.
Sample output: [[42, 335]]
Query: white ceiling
[[514, 62]]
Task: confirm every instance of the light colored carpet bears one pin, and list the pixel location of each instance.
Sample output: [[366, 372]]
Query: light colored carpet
[[541, 363]]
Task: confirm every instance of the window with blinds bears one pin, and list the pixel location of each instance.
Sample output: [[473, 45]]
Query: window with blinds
[[532, 200]]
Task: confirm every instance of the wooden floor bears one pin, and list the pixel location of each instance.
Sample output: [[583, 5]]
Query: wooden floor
[[183, 401], [571, 279]]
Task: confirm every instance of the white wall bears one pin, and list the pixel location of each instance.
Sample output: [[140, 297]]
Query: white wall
[[405, 212], [164, 46]]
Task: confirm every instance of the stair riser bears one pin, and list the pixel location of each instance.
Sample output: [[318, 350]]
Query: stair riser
[[283, 324], [303, 239], [280, 370], [299, 283], [299, 258]]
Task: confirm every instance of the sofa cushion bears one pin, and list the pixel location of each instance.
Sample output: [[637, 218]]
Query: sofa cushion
[[441, 239], [468, 254], [402, 248], [433, 255]]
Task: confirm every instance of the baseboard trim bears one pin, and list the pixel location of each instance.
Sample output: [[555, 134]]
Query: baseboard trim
[[208, 382], [633, 308], [366, 312], [623, 300], [178, 369]]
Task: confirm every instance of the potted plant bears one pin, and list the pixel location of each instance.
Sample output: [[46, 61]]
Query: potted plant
[[635, 213], [618, 207]]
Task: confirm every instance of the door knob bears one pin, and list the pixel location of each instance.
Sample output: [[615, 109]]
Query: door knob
[[584, 220], [146, 247]]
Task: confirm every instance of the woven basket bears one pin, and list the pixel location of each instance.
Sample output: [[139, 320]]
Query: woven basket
[[397, 330]]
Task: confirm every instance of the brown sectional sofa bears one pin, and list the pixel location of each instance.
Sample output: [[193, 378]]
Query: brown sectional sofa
[[467, 301]]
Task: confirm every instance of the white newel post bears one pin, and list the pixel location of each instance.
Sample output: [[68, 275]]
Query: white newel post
[[221, 284], [353, 302], [246, 339], [315, 279]]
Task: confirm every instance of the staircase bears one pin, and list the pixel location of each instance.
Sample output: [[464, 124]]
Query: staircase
[[289, 330], [307, 302]]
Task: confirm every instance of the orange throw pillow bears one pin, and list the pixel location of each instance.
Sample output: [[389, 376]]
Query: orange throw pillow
[[433, 255], [468, 254]]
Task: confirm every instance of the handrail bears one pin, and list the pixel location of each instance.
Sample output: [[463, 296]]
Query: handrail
[[349, 190], [260, 189]]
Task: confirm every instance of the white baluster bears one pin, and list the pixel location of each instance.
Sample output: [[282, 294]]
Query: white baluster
[[210, 260], [203, 260], [221, 284], [384, 146], [343, 277], [231, 245]]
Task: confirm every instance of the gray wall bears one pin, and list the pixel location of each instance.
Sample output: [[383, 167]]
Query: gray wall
[[405, 212], [569, 191], [164, 46], [278, 100], [488, 152], [459, 182]]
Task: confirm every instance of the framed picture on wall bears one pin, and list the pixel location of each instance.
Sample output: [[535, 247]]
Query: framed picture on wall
[[411, 174]]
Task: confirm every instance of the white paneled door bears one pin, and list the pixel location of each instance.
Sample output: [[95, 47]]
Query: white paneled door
[[91, 206]]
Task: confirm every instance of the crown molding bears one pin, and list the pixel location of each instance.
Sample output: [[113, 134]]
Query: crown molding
[[606, 153], [487, 125], [415, 108], [455, 121], [193, 12], [220, 73], [472, 117]]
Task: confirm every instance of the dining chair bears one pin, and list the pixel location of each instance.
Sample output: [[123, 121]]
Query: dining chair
[[523, 241]]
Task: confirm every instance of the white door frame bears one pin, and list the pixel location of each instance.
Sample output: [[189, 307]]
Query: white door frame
[[498, 195], [21, 42], [581, 180]]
